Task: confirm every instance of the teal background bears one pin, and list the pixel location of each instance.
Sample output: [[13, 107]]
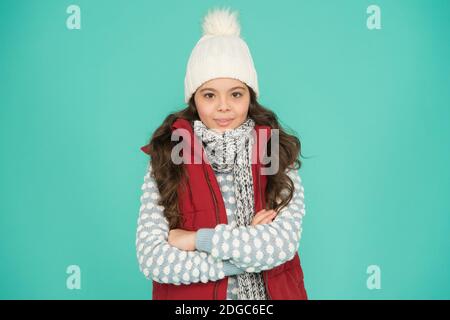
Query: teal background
[[371, 108]]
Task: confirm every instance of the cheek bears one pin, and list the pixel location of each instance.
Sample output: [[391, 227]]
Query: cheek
[[242, 108], [204, 113]]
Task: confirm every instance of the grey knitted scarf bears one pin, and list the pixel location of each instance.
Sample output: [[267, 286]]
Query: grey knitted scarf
[[231, 151]]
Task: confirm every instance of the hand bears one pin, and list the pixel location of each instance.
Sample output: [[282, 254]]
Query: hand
[[263, 216], [182, 239]]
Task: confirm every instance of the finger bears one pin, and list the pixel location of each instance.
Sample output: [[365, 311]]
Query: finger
[[269, 218], [262, 212], [258, 216], [261, 216]]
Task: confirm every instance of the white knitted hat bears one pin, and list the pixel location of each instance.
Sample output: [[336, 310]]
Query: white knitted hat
[[220, 53]]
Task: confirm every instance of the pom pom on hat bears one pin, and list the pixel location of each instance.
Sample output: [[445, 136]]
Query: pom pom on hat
[[220, 53], [221, 22]]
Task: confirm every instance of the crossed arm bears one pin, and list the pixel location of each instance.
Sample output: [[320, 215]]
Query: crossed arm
[[182, 257]]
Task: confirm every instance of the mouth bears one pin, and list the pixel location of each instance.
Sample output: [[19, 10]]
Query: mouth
[[223, 122]]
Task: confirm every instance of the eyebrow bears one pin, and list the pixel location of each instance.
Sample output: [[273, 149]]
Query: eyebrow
[[212, 89]]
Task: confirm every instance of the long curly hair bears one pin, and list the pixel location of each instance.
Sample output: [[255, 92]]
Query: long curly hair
[[168, 175]]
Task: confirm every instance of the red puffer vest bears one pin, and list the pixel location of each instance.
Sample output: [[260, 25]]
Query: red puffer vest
[[202, 206]]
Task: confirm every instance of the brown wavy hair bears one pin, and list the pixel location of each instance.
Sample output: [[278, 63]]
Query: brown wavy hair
[[168, 175]]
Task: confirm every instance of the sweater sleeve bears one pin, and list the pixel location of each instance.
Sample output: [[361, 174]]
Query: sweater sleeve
[[260, 247], [162, 262]]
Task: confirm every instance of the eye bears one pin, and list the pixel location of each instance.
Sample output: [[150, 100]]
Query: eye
[[238, 93], [206, 95]]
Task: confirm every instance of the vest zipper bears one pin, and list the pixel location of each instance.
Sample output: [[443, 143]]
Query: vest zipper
[[217, 219], [260, 201]]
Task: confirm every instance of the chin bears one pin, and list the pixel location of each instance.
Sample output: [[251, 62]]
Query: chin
[[223, 129]]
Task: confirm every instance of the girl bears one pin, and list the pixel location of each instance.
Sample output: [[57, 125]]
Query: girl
[[220, 228]]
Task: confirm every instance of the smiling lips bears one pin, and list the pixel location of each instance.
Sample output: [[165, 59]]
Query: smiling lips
[[223, 122]]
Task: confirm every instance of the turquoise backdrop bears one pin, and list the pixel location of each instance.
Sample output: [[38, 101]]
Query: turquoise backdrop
[[371, 108]]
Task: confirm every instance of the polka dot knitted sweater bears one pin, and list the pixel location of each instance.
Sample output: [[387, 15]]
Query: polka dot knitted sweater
[[226, 250]]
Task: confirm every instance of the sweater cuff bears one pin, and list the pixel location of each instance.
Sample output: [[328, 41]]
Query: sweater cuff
[[203, 240], [230, 269]]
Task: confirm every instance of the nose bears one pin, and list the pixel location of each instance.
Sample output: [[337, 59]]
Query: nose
[[223, 106]]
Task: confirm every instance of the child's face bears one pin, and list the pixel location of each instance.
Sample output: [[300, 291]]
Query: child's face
[[222, 103]]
